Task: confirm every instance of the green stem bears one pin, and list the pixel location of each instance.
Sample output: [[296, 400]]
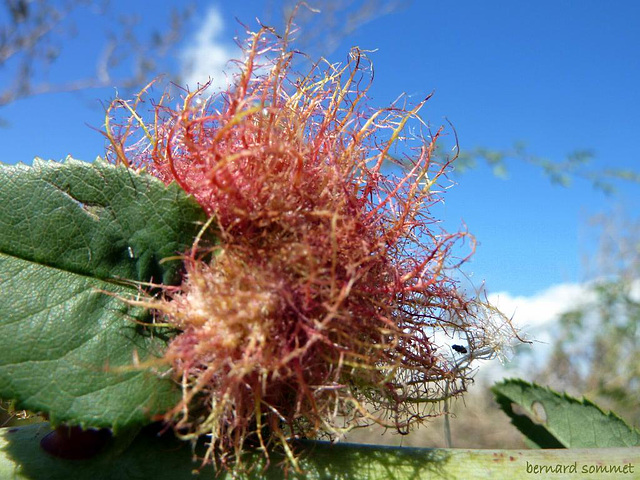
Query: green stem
[[160, 458]]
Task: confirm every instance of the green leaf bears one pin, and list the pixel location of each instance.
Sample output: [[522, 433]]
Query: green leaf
[[95, 219], [68, 233], [552, 420]]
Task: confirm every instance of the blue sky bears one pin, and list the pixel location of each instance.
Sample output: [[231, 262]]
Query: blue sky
[[559, 76]]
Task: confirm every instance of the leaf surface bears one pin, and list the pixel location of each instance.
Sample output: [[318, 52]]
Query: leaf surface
[[552, 420], [69, 232]]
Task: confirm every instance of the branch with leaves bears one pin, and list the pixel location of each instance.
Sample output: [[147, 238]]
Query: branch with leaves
[[578, 164]]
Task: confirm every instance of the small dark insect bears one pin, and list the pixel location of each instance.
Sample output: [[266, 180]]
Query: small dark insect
[[459, 348]]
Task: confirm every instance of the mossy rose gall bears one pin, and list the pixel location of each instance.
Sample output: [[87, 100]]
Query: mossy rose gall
[[318, 309]]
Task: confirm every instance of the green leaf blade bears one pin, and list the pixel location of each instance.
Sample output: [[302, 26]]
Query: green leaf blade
[[69, 349], [95, 219], [69, 233], [553, 420]]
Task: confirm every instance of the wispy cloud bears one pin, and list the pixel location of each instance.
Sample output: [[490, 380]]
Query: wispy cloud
[[206, 56]]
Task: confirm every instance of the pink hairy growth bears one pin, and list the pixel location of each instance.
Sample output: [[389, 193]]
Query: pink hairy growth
[[316, 312]]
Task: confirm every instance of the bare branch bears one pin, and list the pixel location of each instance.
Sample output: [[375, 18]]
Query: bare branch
[[33, 36], [323, 24]]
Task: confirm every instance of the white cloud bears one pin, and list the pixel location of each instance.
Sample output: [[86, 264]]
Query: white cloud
[[634, 291], [536, 314], [536, 318], [206, 57]]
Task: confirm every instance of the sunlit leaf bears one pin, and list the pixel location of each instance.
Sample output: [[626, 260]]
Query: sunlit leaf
[[68, 233]]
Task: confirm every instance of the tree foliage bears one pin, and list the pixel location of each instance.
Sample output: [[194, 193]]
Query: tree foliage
[[580, 164]]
